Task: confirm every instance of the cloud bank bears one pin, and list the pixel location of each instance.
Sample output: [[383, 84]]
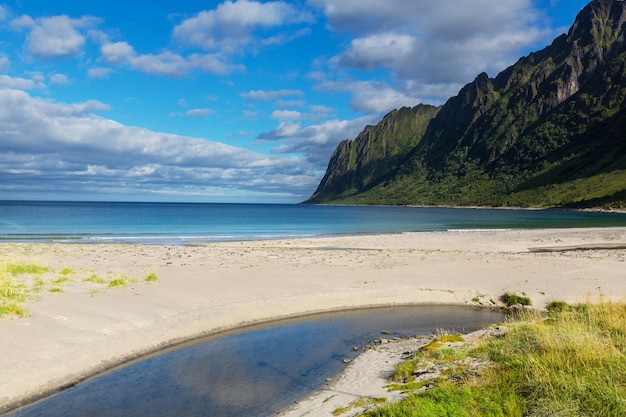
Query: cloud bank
[[86, 153]]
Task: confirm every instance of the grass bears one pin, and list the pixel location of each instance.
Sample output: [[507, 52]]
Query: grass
[[118, 282], [512, 300], [23, 269], [13, 291], [95, 279], [19, 282], [572, 364], [361, 402]]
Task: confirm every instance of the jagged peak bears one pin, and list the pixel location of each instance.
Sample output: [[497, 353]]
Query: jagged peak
[[602, 19]]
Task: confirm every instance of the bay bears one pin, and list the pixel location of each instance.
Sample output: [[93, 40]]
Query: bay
[[186, 223]]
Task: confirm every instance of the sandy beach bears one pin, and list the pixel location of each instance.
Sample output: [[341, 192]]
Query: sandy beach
[[80, 325]]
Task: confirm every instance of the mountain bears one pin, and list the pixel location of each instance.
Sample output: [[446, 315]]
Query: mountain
[[357, 165], [548, 131]]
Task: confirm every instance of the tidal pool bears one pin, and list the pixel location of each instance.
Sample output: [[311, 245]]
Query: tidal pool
[[253, 372]]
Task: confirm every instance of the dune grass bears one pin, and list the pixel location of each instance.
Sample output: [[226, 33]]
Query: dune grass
[[20, 282], [570, 364], [13, 290], [151, 277]]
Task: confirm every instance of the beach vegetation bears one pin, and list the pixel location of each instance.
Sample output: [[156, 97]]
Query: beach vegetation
[[38, 284], [513, 300], [12, 295], [12, 309], [24, 269], [151, 277], [557, 307], [118, 282], [67, 271], [572, 365], [362, 402], [60, 280], [95, 279], [56, 290]]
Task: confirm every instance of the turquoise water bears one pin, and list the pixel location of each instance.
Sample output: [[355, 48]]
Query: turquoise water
[[182, 223]]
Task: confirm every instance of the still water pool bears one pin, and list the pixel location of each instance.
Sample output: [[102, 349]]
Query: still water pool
[[251, 372]]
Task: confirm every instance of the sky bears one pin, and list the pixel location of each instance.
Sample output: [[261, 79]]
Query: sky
[[230, 101]]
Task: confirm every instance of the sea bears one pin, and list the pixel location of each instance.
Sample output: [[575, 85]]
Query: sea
[[189, 223]]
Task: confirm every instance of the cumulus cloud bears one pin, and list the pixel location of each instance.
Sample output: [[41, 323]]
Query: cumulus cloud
[[315, 142], [432, 47], [372, 97], [99, 73], [21, 83], [231, 25], [59, 79], [56, 36], [165, 63], [286, 115], [85, 152]]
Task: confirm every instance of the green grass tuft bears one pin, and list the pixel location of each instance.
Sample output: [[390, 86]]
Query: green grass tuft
[[95, 279], [151, 277], [118, 282], [512, 300]]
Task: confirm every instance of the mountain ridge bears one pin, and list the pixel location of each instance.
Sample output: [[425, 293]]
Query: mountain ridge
[[514, 139]]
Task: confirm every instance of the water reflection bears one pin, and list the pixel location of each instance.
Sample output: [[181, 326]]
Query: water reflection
[[253, 373]]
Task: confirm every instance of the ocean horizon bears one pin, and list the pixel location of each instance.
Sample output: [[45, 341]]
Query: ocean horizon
[[189, 223]]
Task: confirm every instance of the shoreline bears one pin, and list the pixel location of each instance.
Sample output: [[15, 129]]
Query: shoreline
[[220, 286]]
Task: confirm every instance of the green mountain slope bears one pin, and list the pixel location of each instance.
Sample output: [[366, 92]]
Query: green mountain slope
[[548, 131], [358, 165]]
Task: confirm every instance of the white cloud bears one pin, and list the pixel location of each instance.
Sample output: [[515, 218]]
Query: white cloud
[[376, 50], [286, 115], [99, 73], [433, 47], [270, 95], [316, 142], [59, 79], [165, 63], [231, 25], [86, 153], [56, 36], [372, 97], [117, 52], [198, 112], [21, 83]]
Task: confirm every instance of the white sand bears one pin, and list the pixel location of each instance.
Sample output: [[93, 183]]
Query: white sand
[[202, 289]]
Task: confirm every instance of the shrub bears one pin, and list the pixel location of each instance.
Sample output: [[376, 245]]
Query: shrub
[[512, 300]]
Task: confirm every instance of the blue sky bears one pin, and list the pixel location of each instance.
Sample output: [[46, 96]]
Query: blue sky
[[233, 101]]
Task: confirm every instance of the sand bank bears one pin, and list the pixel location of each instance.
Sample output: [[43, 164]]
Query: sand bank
[[201, 289]]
